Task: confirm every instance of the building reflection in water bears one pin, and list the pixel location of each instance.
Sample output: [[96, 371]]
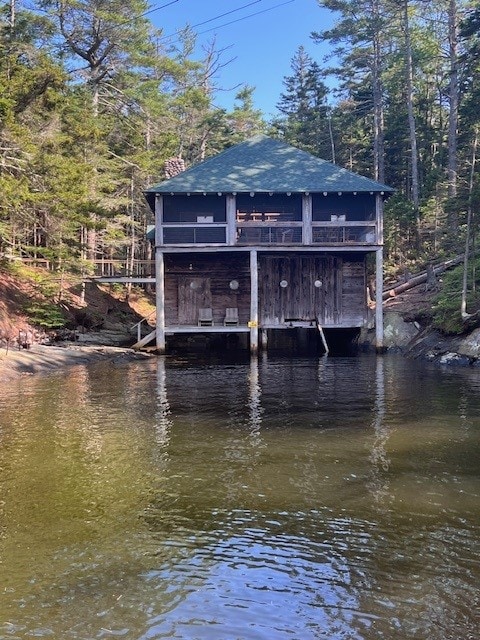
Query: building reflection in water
[[379, 483], [254, 399], [163, 422]]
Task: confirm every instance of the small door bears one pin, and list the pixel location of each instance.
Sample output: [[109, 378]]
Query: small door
[[193, 294]]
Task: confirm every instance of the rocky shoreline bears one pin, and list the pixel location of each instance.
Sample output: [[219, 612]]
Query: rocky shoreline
[[424, 343]]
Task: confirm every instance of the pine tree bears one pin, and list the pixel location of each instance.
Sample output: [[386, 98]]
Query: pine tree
[[304, 122]]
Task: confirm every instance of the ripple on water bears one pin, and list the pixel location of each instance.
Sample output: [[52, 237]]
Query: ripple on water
[[269, 499]]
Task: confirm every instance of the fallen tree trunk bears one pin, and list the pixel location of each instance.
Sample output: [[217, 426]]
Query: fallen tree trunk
[[420, 278]]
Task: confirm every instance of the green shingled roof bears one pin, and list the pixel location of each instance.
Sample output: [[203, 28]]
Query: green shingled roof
[[263, 164]]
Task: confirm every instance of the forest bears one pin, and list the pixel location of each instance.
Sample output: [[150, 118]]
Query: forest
[[94, 103]]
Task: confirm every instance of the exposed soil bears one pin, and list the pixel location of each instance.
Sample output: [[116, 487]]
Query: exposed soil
[[105, 308], [414, 304]]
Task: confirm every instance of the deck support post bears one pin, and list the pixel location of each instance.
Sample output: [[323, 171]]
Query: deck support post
[[253, 302], [379, 300], [231, 211], [307, 238]]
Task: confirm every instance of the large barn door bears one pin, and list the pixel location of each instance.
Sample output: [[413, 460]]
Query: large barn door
[[193, 294], [329, 306], [303, 288]]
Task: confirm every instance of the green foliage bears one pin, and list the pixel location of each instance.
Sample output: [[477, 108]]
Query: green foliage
[[399, 230], [446, 306], [45, 315], [304, 114]]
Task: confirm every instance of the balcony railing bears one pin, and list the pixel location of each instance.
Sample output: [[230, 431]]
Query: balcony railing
[[263, 233], [328, 233], [111, 268], [195, 234], [273, 233]]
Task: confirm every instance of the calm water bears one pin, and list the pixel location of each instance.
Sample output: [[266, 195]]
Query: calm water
[[273, 499]]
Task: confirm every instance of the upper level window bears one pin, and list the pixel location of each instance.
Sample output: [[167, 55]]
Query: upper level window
[[194, 209], [262, 207], [346, 206]]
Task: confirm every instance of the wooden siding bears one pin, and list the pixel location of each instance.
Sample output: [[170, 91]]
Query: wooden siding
[[196, 281], [354, 292], [339, 301], [300, 299]]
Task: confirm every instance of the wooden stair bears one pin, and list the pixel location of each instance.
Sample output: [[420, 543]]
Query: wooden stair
[[145, 340]]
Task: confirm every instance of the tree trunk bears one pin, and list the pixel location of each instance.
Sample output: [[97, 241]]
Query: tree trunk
[[421, 278], [463, 304], [378, 118], [453, 103], [411, 117], [12, 16]]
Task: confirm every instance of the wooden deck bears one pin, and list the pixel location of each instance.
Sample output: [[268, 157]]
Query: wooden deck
[[171, 330]]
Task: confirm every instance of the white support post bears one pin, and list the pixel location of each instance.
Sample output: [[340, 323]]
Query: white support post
[[253, 302], [379, 217], [263, 339], [158, 220], [379, 274], [307, 236], [231, 212], [159, 275]]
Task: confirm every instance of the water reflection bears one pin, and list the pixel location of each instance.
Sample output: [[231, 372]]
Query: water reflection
[[163, 422], [265, 498], [379, 483]]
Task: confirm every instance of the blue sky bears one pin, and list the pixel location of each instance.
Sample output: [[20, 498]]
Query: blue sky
[[261, 39]]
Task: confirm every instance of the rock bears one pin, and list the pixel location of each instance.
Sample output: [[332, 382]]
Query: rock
[[398, 333], [454, 358], [470, 345], [108, 338]]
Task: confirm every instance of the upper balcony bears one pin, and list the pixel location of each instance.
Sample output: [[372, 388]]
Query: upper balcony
[[260, 219]]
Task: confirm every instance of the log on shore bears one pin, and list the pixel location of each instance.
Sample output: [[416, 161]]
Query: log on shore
[[421, 278]]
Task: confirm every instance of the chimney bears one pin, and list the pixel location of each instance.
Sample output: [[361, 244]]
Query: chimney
[[174, 166]]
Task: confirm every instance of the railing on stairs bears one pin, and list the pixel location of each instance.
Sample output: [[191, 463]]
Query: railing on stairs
[[141, 342]]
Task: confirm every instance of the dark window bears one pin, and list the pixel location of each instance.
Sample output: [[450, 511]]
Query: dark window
[[194, 235], [189, 208], [277, 207]]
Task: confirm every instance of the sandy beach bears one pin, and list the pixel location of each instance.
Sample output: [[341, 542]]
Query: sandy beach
[[45, 359]]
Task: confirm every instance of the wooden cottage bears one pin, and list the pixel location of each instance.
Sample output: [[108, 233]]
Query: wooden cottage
[[265, 237]]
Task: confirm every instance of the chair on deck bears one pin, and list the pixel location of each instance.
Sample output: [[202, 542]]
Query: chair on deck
[[231, 317], [205, 317]]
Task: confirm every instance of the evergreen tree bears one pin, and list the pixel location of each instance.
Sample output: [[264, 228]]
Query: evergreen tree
[[245, 121], [303, 107]]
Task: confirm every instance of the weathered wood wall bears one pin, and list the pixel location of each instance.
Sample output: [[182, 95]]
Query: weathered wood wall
[[338, 300], [203, 280]]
